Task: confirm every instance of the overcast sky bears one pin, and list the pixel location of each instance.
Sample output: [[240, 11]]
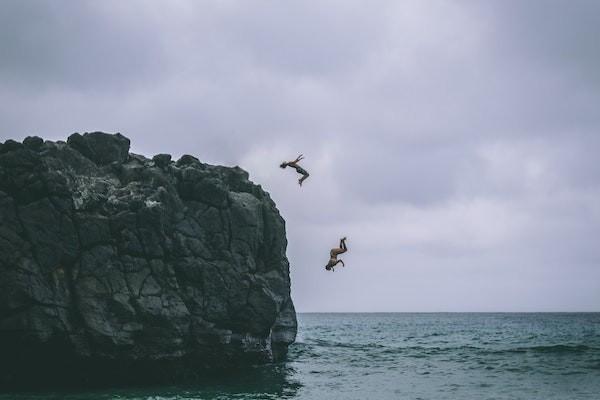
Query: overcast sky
[[455, 143]]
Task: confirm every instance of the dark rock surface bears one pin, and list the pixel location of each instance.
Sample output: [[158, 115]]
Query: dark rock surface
[[118, 268]]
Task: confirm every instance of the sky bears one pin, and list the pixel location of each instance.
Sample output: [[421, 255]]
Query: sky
[[455, 143]]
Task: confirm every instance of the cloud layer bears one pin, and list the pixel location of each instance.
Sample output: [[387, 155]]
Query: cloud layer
[[455, 143]]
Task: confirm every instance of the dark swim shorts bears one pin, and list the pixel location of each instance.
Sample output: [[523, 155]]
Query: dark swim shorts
[[301, 170]]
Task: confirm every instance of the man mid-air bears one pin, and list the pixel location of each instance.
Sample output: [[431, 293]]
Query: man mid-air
[[299, 169], [333, 260]]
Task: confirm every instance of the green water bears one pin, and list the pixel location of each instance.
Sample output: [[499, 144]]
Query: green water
[[410, 356]]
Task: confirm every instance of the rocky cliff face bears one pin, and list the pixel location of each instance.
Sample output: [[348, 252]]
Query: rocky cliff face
[[117, 267]]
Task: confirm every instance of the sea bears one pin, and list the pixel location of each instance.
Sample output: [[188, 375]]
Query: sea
[[472, 356]]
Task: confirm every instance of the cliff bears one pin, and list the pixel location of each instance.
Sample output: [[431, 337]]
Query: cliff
[[119, 268]]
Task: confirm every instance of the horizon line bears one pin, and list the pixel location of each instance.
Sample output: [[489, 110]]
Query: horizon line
[[448, 312]]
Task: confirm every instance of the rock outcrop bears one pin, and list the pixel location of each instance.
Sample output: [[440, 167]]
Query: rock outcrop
[[119, 268]]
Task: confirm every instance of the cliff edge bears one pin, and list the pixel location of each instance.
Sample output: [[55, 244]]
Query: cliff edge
[[115, 267]]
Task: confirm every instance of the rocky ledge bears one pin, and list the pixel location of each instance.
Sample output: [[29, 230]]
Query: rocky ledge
[[119, 268]]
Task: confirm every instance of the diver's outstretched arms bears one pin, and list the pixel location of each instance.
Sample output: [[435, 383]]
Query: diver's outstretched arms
[[336, 263], [292, 163]]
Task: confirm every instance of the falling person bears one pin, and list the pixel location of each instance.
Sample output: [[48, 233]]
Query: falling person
[[333, 260], [299, 169]]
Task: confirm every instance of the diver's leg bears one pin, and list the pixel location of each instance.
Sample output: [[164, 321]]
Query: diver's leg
[[336, 251], [343, 245], [304, 176]]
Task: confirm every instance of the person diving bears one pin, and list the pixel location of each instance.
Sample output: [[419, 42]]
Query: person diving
[[333, 260], [299, 169]]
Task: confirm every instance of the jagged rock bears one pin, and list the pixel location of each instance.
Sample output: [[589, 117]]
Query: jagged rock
[[33, 142], [101, 148], [114, 267], [162, 160], [11, 145]]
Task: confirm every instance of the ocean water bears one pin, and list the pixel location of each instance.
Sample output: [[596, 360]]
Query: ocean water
[[410, 356]]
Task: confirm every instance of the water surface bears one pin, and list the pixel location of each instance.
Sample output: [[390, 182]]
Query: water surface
[[410, 356]]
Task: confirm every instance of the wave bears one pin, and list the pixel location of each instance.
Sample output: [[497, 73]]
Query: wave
[[557, 348], [330, 343], [420, 351]]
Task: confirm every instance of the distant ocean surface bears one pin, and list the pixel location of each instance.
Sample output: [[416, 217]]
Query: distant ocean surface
[[411, 356]]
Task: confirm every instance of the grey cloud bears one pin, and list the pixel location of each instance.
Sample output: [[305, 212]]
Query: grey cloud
[[454, 143], [410, 173], [78, 45], [554, 34], [317, 42]]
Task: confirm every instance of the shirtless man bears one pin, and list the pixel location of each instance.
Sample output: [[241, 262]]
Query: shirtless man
[[333, 260], [299, 169]]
